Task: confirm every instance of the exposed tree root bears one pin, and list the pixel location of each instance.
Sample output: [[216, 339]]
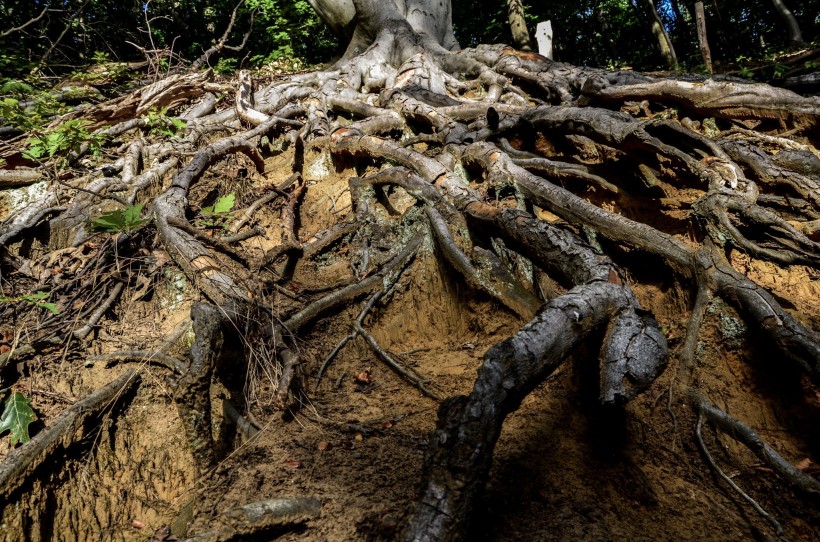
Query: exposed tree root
[[748, 437], [270, 517], [70, 427]]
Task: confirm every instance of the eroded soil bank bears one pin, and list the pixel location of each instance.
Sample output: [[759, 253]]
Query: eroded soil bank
[[565, 469]]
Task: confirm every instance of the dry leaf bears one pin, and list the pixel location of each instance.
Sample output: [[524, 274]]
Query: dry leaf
[[364, 377], [323, 446], [293, 464], [137, 524]]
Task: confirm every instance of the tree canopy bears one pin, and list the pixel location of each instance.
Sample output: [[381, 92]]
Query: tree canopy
[[66, 34]]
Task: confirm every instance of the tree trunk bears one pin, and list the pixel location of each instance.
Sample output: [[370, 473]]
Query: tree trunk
[[664, 41], [795, 36], [518, 26], [703, 40]]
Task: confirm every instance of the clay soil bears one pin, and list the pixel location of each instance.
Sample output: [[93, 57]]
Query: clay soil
[[564, 469]]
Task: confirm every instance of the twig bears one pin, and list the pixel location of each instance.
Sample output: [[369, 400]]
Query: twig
[[142, 356], [744, 434], [264, 200], [352, 335], [243, 424], [97, 315], [25, 25], [215, 242], [393, 364], [352, 291], [235, 238]]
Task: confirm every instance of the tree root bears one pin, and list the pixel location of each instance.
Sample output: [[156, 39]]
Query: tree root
[[749, 438], [260, 518], [142, 356], [458, 460], [68, 428], [210, 349], [453, 121], [753, 503]]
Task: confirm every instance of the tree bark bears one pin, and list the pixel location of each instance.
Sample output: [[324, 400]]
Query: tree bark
[[703, 40], [518, 26], [664, 41]]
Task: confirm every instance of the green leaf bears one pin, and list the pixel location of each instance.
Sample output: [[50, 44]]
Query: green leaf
[[133, 213], [16, 417], [224, 204], [108, 222]]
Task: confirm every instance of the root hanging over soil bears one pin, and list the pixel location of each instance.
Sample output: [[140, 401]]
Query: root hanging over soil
[[319, 201]]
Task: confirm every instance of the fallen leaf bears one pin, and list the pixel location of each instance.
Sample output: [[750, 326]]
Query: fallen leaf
[[293, 464], [804, 464], [323, 446], [364, 377], [137, 524], [387, 425]]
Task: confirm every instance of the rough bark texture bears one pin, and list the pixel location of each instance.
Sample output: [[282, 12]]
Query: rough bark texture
[[660, 33]]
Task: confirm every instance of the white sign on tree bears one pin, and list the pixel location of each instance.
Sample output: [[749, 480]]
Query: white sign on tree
[[543, 33]]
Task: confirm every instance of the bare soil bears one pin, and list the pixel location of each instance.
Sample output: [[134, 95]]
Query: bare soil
[[564, 469]]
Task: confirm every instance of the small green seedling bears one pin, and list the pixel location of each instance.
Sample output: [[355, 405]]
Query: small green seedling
[[37, 299], [215, 216], [126, 220], [158, 122], [17, 416]]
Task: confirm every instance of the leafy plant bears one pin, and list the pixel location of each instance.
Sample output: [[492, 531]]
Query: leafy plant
[[779, 70], [13, 114], [746, 72], [215, 216], [37, 299], [15, 86], [125, 220], [158, 122], [101, 57], [225, 65], [66, 138], [16, 417]]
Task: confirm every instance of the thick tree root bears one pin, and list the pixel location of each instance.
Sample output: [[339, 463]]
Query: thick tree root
[[210, 350], [458, 460]]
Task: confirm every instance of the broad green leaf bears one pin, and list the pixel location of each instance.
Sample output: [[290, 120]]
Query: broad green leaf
[[16, 417], [224, 204], [51, 307], [133, 213], [111, 222]]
